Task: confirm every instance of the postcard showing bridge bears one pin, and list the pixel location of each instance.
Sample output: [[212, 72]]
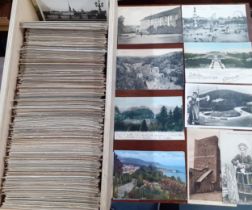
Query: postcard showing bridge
[[218, 62], [219, 106], [149, 175], [149, 118]]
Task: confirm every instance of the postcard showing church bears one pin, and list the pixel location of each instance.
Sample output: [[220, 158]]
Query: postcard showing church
[[149, 24]]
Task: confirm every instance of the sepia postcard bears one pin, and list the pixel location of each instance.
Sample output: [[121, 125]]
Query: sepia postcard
[[149, 24], [150, 69], [149, 118], [215, 23], [149, 175]]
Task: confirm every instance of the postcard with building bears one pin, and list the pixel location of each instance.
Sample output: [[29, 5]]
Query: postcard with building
[[215, 23], [218, 62], [149, 24], [150, 69], [149, 175]]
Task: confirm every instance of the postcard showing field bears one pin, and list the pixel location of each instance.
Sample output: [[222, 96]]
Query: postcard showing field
[[149, 175], [150, 69], [149, 118], [215, 23], [149, 24], [218, 62], [219, 106]]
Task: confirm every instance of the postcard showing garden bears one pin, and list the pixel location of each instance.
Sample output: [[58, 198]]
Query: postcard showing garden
[[149, 175]]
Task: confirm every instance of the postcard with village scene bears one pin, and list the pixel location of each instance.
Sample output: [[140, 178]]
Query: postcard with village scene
[[149, 118], [73, 10], [149, 175], [219, 106], [215, 23], [218, 62], [236, 165], [149, 24], [204, 169], [150, 69]]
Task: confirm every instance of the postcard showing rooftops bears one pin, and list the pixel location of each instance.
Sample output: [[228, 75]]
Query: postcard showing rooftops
[[73, 10], [150, 69], [149, 118], [219, 106], [149, 24], [149, 175], [215, 23], [218, 62]]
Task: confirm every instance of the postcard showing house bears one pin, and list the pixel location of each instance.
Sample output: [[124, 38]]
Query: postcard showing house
[[218, 106], [149, 118], [218, 62], [149, 175], [150, 69], [215, 23], [149, 24]]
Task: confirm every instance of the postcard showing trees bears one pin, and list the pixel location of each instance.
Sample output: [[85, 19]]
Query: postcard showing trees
[[149, 175], [149, 118]]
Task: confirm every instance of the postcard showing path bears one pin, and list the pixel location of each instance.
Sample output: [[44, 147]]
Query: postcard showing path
[[149, 175]]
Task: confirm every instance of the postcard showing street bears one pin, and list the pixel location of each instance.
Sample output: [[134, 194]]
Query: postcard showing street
[[215, 23], [149, 118], [149, 24], [150, 69], [149, 175], [218, 106], [218, 62]]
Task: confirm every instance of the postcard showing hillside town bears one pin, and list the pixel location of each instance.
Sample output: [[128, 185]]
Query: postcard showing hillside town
[[215, 23], [149, 24], [73, 10], [218, 62], [204, 170], [149, 175], [218, 106], [149, 118], [150, 69], [236, 166]]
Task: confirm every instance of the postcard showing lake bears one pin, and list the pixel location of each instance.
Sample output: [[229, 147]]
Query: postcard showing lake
[[149, 175], [218, 62], [149, 118], [150, 69]]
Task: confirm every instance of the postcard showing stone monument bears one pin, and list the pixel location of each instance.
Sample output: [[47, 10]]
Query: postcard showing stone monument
[[236, 166], [204, 170], [149, 24], [149, 175], [73, 10], [150, 69], [219, 106], [218, 62], [215, 23], [149, 118]]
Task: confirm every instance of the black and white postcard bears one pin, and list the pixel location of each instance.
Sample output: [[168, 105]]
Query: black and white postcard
[[236, 165], [149, 24], [73, 10], [149, 118], [218, 62], [150, 69], [219, 106], [215, 23]]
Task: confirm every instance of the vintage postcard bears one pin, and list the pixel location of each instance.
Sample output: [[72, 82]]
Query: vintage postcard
[[149, 24], [218, 106], [150, 69], [236, 166], [149, 175], [149, 118], [215, 23], [218, 62], [204, 171]]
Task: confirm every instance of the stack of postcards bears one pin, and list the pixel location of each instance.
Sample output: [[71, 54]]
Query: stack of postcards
[[55, 143]]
